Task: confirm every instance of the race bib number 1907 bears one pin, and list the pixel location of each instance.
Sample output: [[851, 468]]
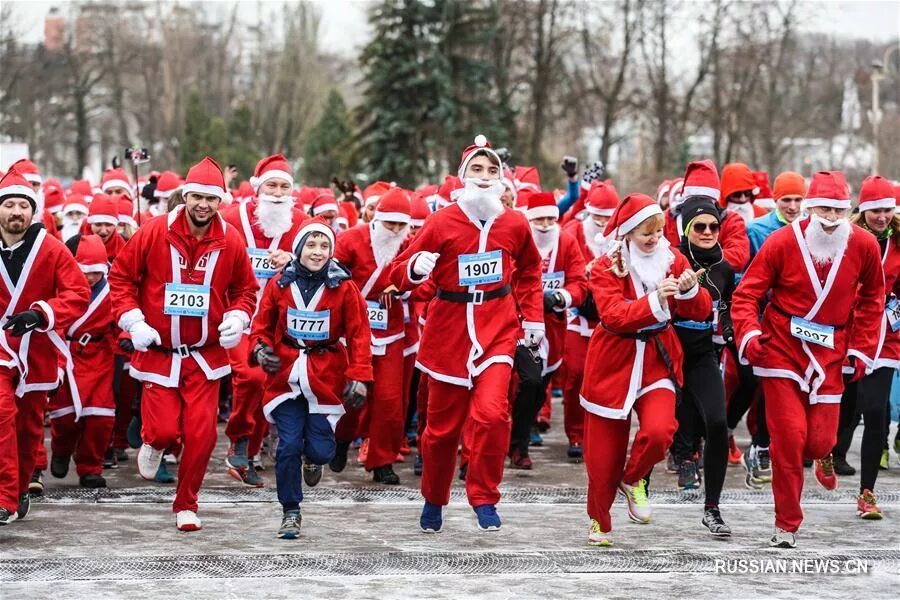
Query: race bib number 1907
[[484, 267]]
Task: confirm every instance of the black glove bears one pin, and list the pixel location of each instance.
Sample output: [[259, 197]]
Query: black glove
[[20, 324], [126, 345], [354, 395], [528, 365], [588, 309], [553, 299], [570, 166], [267, 359]]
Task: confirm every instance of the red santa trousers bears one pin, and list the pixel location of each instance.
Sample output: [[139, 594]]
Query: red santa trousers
[[573, 412], [128, 391], [188, 413], [606, 446], [384, 414], [798, 430], [21, 430], [449, 406], [86, 440], [247, 419]]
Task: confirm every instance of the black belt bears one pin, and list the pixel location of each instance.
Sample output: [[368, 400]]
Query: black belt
[[477, 297], [781, 311], [86, 338], [644, 336], [653, 335], [310, 348], [183, 350]]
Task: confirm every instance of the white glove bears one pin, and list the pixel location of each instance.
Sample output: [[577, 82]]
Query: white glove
[[143, 336], [424, 264], [533, 337], [230, 332]]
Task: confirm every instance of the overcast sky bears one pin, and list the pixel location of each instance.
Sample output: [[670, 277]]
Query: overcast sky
[[344, 27]]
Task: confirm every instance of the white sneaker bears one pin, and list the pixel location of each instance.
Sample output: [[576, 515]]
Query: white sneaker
[[187, 520], [597, 537], [148, 460], [639, 509], [783, 539], [170, 459]]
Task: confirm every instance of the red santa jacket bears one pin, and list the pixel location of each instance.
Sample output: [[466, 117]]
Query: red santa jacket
[[460, 340], [353, 249], [576, 228], [888, 352], [332, 314], [51, 283], [732, 238], [163, 264], [619, 367], [801, 289]]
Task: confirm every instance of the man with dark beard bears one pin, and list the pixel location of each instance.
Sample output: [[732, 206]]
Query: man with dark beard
[[268, 225], [368, 251], [810, 270]]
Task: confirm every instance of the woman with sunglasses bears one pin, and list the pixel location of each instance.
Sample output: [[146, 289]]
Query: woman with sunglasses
[[701, 412]]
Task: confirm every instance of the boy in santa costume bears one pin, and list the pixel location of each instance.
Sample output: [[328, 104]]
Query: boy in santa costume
[[43, 290], [564, 286], [475, 251], [268, 224], [83, 410], [367, 252], [634, 359], [183, 288], [806, 332], [303, 318]]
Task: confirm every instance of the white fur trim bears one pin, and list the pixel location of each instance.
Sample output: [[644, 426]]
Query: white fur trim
[[391, 216], [318, 210], [465, 163], [48, 312], [743, 346], [108, 219], [827, 202], [319, 228], [256, 182], [880, 203], [688, 294], [199, 188], [95, 268], [536, 325], [542, 211], [662, 192], [660, 311], [600, 212], [700, 190], [33, 178], [18, 190], [79, 207], [766, 203], [163, 194], [115, 183], [638, 218], [372, 200], [416, 222]]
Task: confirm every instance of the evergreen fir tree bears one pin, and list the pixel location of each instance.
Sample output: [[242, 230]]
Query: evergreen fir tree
[[328, 147]]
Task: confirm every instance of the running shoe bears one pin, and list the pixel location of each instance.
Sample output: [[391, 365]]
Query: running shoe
[[825, 473], [783, 539], [671, 464], [488, 518], [885, 463], [536, 439], [385, 475], [734, 453], [237, 458], [290, 525], [639, 509], [363, 452], [750, 463], [867, 506], [688, 475], [59, 465], [575, 452], [312, 474], [92, 481], [842, 467], [597, 537], [520, 460], [148, 461], [712, 520], [339, 462], [764, 460], [417, 465], [162, 474], [36, 485], [431, 519], [187, 520]]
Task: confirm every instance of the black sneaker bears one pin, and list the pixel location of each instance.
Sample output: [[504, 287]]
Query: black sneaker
[[36, 486], [290, 525], [688, 475], [24, 505], [121, 455], [712, 520], [575, 452], [133, 433], [59, 466], [385, 475], [92, 481], [7, 517], [339, 462], [417, 465], [463, 470], [109, 460], [312, 474], [842, 467], [807, 463]]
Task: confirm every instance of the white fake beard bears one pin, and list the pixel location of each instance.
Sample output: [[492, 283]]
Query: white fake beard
[[386, 243], [481, 203], [744, 210], [651, 268], [273, 215], [594, 238], [70, 227], [545, 240], [825, 247]]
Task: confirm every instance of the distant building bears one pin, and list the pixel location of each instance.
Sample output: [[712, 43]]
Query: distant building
[[54, 31]]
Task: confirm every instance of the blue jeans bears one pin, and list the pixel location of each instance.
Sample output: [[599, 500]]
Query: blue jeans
[[299, 434]]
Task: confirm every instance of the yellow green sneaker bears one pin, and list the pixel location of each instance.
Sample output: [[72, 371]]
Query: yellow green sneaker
[[885, 463], [597, 537]]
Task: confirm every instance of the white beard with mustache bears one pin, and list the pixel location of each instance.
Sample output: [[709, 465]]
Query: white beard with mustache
[[481, 203], [594, 238], [386, 243], [70, 227], [274, 215], [545, 240], [825, 247], [651, 268], [744, 210]]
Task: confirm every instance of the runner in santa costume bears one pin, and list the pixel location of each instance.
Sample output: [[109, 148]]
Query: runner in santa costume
[[797, 350], [475, 251], [325, 206], [103, 219], [311, 335], [367, 252], [564, 286], [116, 181], [42, 291], [74, 214], [702, 179], [870, 397], [167, 183], [739, 188], [600, 204], [32, 175], [184, 290], [634, 359], [268, 225], [83, 410], [372, 194]]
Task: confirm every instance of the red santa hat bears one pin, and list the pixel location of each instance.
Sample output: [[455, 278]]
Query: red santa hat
[[701, 179], [676, 195], [315, 225], [91, 255], [373, 193], [347, 213], [54, 197], [104, 209], [509, 182], [245, 191], [323, 202], [481, 145], [126, 210], [271, 167], [75, 203], [418, 209], [829, 189], [450, 190], [393, 206], [205, 178], [14, 185], [876, 192], [634, 210], [662, 190], [28, 170], [764, 197], [527, 178], [736, 177], [115, 178], [167, 183], [541, 204], [83, 187], [602, 199]]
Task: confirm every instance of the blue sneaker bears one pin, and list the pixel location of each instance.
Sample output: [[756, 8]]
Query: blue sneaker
[[431, 520], [417, 466], [536, 439], [163, 475], [488, 519], [133, 433]]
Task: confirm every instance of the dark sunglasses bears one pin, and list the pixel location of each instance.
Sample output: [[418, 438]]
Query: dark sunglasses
[[702, 227]]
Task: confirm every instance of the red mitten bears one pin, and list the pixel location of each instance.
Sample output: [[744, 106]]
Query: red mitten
[[859, 369], [753, 351]]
